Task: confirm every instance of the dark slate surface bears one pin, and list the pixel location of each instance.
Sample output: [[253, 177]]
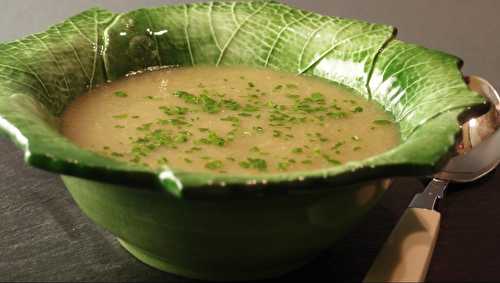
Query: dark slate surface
[[45, 237]]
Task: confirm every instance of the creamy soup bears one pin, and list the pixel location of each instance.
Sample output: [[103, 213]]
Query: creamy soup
[[235, 120]]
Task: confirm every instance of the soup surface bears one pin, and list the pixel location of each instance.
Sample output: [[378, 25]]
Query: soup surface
[[236, 120]]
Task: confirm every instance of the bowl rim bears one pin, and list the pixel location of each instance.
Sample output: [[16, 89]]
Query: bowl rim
[[203, 184]]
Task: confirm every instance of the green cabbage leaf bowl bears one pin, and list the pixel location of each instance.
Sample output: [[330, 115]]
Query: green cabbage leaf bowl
[[212, 226]]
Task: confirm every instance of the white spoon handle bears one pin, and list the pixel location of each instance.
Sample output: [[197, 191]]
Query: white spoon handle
[[406, 254]]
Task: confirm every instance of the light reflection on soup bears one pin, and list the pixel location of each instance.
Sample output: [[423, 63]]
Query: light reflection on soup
[[235, 120]]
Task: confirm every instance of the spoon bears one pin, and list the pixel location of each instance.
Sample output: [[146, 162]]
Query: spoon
[[406, 254]]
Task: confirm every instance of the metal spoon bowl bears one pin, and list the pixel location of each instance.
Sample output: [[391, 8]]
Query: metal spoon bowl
[[480, 128], [478, 152], [406, 255]]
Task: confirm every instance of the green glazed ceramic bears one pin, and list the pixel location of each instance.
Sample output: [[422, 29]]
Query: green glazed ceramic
[[228, 227]]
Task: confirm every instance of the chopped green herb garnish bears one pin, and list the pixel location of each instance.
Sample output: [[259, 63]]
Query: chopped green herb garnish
[[337, 115], [213, 139], [119, 127], [214, 165], [278, 87], [283, 166], [186, 97], [254, 149], [193, 149], [317, 151], [185, 125], [382, 122], [209, 104], [120, 94], [337, 145], [318, 97], [277, 133], [230, 134], [357, 109], [121, 116], [116, 154], [331, 160], [231, 119], [175, 122], [162, 161], [254, 163], [320, 137], [145, 127], [293, 96], [335, 106], [231, 104], [250, 108], [174, 110], [182, 137]]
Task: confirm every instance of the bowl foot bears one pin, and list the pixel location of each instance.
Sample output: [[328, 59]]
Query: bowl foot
[[212, 275]]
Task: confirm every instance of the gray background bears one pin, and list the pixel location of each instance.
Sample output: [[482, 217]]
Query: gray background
[[44, 236]]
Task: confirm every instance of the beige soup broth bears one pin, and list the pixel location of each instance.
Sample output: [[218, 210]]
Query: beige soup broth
[[228, 120]]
